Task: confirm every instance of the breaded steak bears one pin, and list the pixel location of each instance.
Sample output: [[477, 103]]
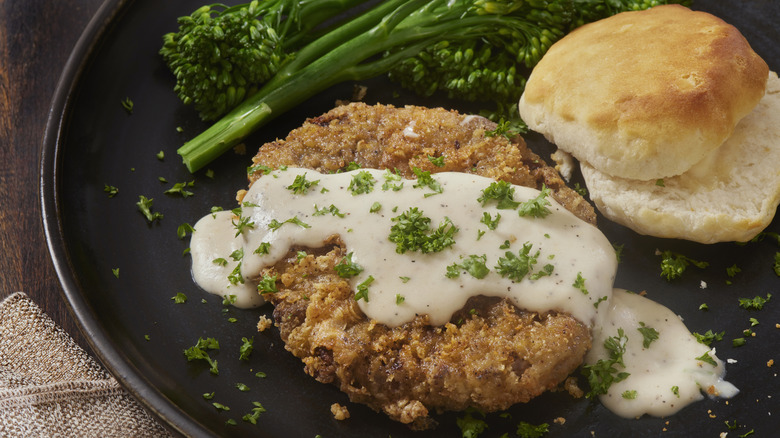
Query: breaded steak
[[491, 354]]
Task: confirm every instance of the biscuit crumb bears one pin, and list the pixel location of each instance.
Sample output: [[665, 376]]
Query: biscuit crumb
[[240, 149], [770, 362], [264, 323], [559, 420], [339, 412]]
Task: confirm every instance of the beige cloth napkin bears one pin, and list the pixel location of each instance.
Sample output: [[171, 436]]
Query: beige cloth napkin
[[50, 387]]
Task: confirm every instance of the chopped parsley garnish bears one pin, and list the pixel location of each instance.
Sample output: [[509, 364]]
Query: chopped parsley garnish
[[582, 191], [301, 185], [756, 303], [391, 181], [198, 352], [676, 390], [502, 192], [660, 183], [412, 232], [475, 265], [436, 161], [254, 414], [362, 182], [220, 261], [115, 271], [237, 254], [733, 270], [596, 304], [629, 394], [179, 298], [704, 306], [242, 387], [267, 284], [243, 224], [183, 229], [362, 289], [649, 334], [618, 252], [707, 358], [504, 245], [404, 279], [579, 283], [708, 337], [220, 406], [111, 190], [673, 264], [128, 105], [528, 430], [228, 300], [504, 128], [235, 276], [424, 179], [516, 267], [264, 248], [489, 221], [546, 271], [375, 207], [333, 210], [776, 266], [246, 348], [471, 427], [180, 189], [738, 342], [145, 206], [602, 374], [275, 224], [350, 167], [208, 395], [259, 167], [399, 299], [346, 268], [536, 207], [160, 155]]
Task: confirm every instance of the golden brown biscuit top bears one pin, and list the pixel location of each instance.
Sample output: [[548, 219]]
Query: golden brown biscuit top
[[679, 77]]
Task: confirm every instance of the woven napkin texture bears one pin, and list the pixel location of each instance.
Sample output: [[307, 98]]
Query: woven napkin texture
[[50, 387]]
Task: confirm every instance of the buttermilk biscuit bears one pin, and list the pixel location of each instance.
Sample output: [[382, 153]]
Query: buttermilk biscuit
[[644, 94], [731, 195]]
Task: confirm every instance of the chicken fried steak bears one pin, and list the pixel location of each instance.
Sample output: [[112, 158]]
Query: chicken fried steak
[[491, 354]]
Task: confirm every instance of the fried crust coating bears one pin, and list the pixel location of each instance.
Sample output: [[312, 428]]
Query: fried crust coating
[[491, 354]]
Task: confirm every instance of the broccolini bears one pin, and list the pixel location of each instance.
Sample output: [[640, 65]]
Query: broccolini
[[252, 62]]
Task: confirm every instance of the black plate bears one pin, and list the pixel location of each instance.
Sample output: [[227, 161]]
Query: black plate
[[92, 141]]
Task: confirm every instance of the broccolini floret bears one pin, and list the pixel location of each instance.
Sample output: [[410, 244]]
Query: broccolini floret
[[255, 61]]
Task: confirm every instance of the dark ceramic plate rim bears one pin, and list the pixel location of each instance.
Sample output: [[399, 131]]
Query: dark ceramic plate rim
[[80, 309], [118, 362]]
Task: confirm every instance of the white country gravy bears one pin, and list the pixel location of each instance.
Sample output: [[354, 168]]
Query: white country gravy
[[570, 264], [664, 377]]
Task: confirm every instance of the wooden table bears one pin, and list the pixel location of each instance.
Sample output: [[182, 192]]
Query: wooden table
[[36, 38]]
